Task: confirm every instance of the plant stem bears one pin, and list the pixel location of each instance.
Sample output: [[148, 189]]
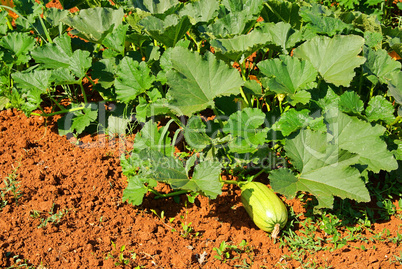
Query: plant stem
[[170, 194], [275, 12], [243, 94], [165, 130], [176, 134], [58, 112], [155, 192], [60, 28], [177, 120], [90, 80], [83, 93], [270, 53], [195, 42], [43, 112], [57, 104], [243, 70], [221, 130], [97, 48], [397, 119], [10, 27], [229, 181], [276, 231], [45, 30], [256, 175], [219, 118], [372, 91], [360, 82], [268, 103], [387, 6], [240, 182]]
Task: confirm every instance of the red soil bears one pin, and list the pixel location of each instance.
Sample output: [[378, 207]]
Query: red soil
[[86, 180]]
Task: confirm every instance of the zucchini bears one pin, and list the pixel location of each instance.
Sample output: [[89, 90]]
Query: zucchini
[[264, 207]]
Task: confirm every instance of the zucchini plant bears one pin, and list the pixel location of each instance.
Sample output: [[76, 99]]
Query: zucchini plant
[[301, 92]]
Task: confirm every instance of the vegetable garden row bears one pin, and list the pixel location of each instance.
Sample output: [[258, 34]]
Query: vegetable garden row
[[306, 93]]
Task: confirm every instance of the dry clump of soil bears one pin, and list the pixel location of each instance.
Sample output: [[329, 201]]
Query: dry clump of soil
[[82, 186]]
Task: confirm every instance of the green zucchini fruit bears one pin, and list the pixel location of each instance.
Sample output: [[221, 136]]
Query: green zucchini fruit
[[264, 207]]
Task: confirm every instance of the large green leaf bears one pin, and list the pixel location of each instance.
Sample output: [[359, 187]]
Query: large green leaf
[[379, 108], [37, 79], [117, 119], [324, 184], [105, 70], [3, 102], [136, 189], [240, 47], [33, 99], [282, 11], [288, 74], [169, 170], [63, 76], [393, 36], [246, 129], [84, 118], [251, 7], [293, 120], [334, 58], [361, 138], [81, 4], [28, 12], [133, 78], [205, 179], [201, 11], [80, 62], [195, 81], [59, 54], [167, 31], [281, 34], [398, 151], [350, 103], [55, 55], [321, 24], [156, 166], [302, 97], [94, 24], [154, 7], [379, 65], [373, 40], [395, 87], [195, 133], [54, 16], [19, 44], [152, 138], [230, 25], [3, 23], [77, 121], [28, 7], [116, 39], [325, 171], [140, 181]]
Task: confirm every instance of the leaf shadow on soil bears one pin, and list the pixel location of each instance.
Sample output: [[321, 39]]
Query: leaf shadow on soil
[[226, 208]]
